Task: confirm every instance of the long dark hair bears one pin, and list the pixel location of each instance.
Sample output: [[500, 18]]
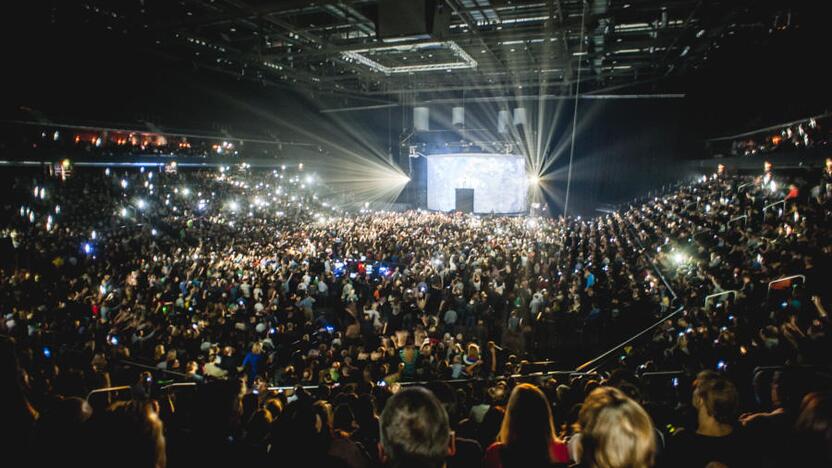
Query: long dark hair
[[528, 429]]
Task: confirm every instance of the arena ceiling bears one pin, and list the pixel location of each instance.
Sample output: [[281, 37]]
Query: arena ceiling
[[488, 47]]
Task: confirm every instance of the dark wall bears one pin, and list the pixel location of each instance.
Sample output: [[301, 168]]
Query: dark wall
[[622, 150]]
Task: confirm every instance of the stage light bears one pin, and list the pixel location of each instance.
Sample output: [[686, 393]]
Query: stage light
[[186, 191], [534, 180], [679, 258], [141, 204], [233, 205]]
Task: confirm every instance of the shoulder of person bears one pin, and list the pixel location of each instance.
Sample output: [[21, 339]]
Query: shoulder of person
[[492, 457]]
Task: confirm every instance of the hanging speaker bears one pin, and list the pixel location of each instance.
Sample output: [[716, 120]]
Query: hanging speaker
[[458, 116], [503, 121], [421, 119], [520, 116]]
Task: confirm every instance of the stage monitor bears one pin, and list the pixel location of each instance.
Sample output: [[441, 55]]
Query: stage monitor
[[499, 181]]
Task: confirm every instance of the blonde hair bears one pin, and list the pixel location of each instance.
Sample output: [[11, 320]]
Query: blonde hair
[[616, 431]]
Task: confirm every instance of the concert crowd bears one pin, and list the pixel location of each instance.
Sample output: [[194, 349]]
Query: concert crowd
[[237, 317]]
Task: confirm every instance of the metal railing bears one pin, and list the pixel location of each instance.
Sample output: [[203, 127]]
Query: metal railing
[[652, 262], [179, 385], [786, 278], [107, 390], [626, 342], [662, 373], [741, 217], [153, 368], [710, 297], [771, 205]]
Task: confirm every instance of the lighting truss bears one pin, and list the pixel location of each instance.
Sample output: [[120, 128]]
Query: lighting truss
[[466, 61]]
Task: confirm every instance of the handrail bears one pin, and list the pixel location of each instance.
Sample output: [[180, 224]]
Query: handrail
[[745, 217], [510, 376], [107, 390], [773, 204], [655, 267], [711, 296], [744, 185], [179, 384], [626, 342], [292, 387], [786, 278], [152, 368], [474, 379], [670, 372], [639, 334]]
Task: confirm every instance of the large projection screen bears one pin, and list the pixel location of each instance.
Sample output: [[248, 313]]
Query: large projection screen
[[499, 181]]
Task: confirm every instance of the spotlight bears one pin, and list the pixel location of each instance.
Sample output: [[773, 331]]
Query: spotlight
[[534, 180], [679, 258]]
